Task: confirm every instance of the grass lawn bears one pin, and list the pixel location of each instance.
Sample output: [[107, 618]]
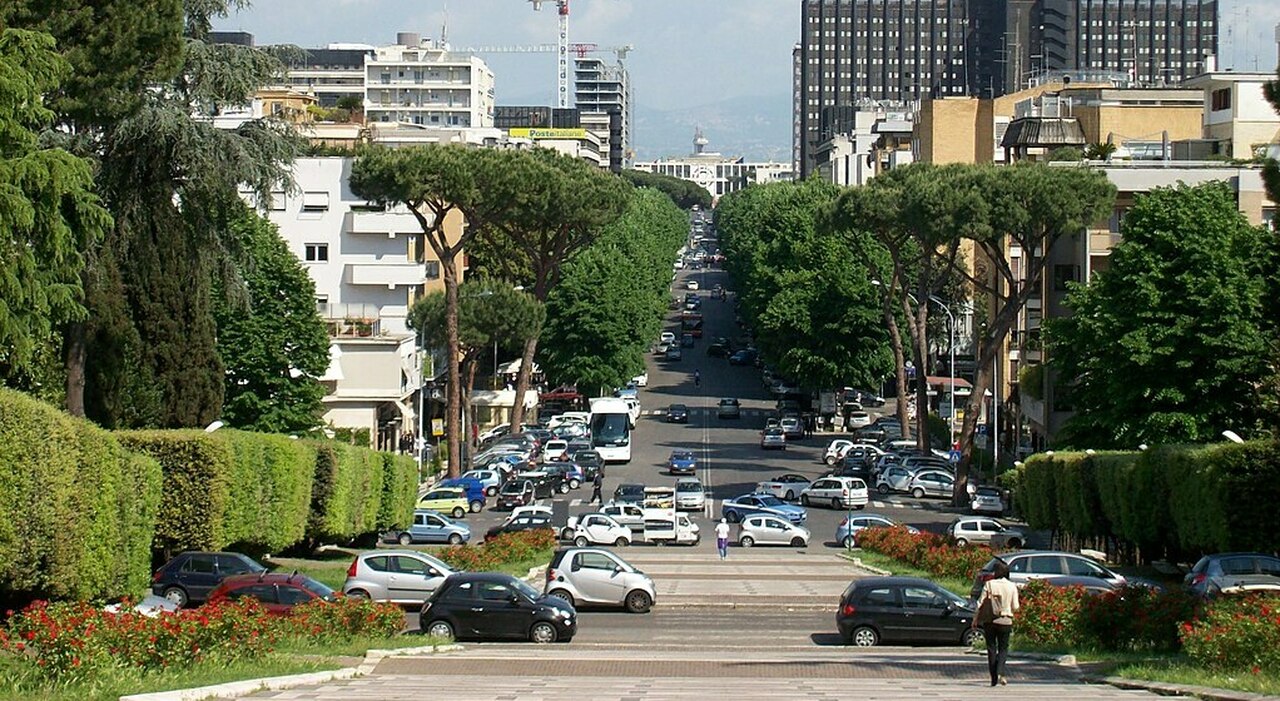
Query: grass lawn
[[1177, 671], [330, 566], [958, 586]]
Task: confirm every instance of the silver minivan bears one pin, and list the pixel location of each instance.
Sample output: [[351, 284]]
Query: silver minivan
[[598, 576], [399, 576]]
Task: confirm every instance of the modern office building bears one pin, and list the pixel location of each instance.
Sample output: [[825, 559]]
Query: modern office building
[[857, 50], [602, 95]]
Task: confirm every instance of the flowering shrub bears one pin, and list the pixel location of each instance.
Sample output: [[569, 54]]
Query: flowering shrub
[[1137, 618], [1051, 616], [500, 552], [1236, 633], [926, 551], [344, 619]]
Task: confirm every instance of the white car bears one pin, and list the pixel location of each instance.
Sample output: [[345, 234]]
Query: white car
[[931, 483], [528, 510], [667, 337], [894, 478], [786, 487], [987, 500], [835, 450], [596, 529], [641, 380], [858, 419], [771, 530], [691, 285], [555, 450], [836, 492], [496, 432], [629, 515], [690, 494]]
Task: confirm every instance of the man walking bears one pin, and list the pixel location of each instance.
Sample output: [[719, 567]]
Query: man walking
[[596, 483], [722, 538]]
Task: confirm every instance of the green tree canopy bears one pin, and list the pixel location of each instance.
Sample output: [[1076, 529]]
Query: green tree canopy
[[1169, 343], [271, 339], [684, 193], [489, 311]]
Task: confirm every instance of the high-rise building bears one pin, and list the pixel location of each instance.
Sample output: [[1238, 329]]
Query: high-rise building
[[600, 89], [857, 52]]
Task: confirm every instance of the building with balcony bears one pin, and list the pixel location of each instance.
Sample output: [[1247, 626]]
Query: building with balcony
[[1237, 118], [418, 82], [602, 95]]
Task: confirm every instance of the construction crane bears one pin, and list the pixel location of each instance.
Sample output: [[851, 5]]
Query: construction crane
[[562, 52]]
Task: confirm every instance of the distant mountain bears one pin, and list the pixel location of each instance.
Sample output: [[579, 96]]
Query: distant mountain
[[758, 128]]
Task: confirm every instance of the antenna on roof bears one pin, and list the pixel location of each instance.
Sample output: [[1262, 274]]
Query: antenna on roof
[[444, 28]]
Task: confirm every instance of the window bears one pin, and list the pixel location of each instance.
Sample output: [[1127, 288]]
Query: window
[[462, 592], [199, 564], [1220, 99], [494, 591], [266, 593], [1063, 274], [228, 565], [921, 598], [1237, 565], [594, 561], [292, 595], [1083, 568], [879, 597], [317, 253], [377, 564], [432, 270], [409, 565], [315, 202], [1046, 564], [1269, 565]]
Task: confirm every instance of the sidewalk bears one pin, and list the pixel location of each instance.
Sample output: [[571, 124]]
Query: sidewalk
[[747, 578]]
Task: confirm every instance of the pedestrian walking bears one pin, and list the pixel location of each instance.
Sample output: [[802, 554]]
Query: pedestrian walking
[[596, 483], [697, 378], [722, 538], [996, 607]]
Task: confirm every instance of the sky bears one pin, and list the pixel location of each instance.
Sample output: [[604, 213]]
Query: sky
[[687, 52]]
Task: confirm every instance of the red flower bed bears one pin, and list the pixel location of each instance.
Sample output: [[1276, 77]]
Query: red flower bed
[[344, 619], [927, 551], [1236, 634], [499, 552], [1129, 618]]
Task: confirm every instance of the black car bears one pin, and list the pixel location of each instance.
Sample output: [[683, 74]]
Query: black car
[[523, 522], [629, 493], [746, 356], [491, 605], [516, 492], [719, 350], [678, 414], [546, 483], [853, 466], [688, 340], [903, 609], [588, 462], [191, 576]]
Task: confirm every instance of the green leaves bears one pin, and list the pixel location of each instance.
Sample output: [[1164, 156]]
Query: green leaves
[[489, 311]]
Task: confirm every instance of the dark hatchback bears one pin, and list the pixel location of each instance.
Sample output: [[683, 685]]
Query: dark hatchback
[[903, 609], [190, 577], [589, 463], [678, 414], [523, 522], [492, 605], [629, 493]]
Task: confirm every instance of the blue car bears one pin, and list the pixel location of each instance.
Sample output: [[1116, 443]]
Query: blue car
[[682, 462], [734, 510], [429, 527], [476, 490], [491, 479]]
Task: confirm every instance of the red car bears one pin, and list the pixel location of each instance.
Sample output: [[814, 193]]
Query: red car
[[278, 592]]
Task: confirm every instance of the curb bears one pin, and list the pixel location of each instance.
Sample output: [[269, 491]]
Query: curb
[[249, 686], [743, 606], [1061, 660], [857, 562], [1168, 689]]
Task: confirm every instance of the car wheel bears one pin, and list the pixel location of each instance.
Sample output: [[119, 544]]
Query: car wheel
[[791, 495], [564, 488], [798, 542], [829, 460], [747, 541], [621, 542], [476, 506], [864, 636], [804, 499], [440, 629], [542, 633], [177, 595], [491, 491], [639, 601], [971, 637], [574, 484], [357, 594], [835, 503], [848, 542], [883, 488], [405, 539], [562, 594], [455, 539], [566, 534], [917, 493], [581, 541], [961, 542], [459, 512], [733, 517]]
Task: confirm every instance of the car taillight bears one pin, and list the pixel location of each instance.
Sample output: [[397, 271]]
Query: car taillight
[[1198, 579], [847, 610], [157, 575], [551, 575], [351, 571]]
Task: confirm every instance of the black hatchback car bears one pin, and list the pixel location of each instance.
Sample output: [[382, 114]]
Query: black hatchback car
[[190, 577], [492, 605], [678, 414], [903, 609]]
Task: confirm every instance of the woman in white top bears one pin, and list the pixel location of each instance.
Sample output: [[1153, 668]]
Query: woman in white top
[[1001, 596]]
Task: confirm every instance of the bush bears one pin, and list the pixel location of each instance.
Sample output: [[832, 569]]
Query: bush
[[399, 491], [228, 487], [347, 491], [80, 510], [499, 553], [927, 551], [1132, 618], [1236, 634], [344, 620], [1051, 616]]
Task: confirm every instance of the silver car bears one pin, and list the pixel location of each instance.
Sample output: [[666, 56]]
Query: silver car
[[398, 576], [771, 530], [987, 500], [931, 483], [597, 576], [985, 531]]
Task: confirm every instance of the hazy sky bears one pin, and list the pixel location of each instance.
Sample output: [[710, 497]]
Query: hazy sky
[[688, 52]]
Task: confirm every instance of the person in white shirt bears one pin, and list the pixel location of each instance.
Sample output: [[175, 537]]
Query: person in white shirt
[[722, 538], [1000, 596]]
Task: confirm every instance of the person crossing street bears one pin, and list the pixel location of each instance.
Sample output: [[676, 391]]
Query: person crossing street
[[596, 483]]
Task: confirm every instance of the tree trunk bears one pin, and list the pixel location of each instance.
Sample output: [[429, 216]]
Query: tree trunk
[[900, 370], [74, 363], [453, 381], [522, 382], [470, 364], [918, 326]]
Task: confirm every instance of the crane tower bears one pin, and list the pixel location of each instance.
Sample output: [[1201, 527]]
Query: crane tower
[[562, 51]]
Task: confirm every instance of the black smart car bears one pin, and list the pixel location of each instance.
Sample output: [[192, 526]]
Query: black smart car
[[903, 609], [190, 577], [491, 605]]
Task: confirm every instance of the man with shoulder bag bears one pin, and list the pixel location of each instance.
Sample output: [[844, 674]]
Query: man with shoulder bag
[[996, 608]]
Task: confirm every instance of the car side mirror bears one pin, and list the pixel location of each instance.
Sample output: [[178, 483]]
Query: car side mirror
[[617, 569], [513, 598]]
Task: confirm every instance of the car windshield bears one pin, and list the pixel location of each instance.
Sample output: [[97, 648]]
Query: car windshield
[[771, 501], [316, 588], [728, 402], [773, 432], [679, 407], [688, 487], [513, 487], [607, 429], [522, 587], [681, 455]]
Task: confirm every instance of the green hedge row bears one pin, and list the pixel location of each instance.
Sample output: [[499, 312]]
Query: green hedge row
[[1176, 499], [358, 491], [77, 510]]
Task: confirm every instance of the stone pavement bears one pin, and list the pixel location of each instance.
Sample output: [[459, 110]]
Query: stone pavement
[[759, 576]]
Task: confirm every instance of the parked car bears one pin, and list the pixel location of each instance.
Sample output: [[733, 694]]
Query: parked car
[[835, 450], [746, 356], [792, 427], [719, 349], [567, 473], [786, 487], [847, 531], [629, 493], [987, 500], [931, 483], [474, 489], [771, 530], [739, 508], [489, 605], [774, 437], [517, 492], [894, 478], [524, 522], [546, 483], [729, 409], [674, 353], [690, 494], [490, 480], [398, 576], [582, 575], [837, 492], [904, 609], [678, 414], [190, 576], [1091, 585], [1027, 565], [927, 462], [595, 529], [667, 337], [446, 500], [641, 380], [588, 462], [986, 531], [858, 419], [429, 527], [682, 462], [630, 515], [555, 450], [691, 284], [1231, 573], [277, 592]]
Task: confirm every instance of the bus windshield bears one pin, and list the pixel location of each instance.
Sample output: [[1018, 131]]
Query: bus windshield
[[610, 429]]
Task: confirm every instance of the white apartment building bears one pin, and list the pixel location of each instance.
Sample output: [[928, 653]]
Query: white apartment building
[[417, 82], [716, 173], [1236, 112]]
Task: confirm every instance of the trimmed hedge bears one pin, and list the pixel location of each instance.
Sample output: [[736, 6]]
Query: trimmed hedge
[[79, 510], [358, 491], [399, 490], [229, 487], [1177, 499]]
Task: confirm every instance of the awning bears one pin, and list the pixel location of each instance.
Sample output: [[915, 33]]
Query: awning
[[960, 382], [502, 398], [513, 367]]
